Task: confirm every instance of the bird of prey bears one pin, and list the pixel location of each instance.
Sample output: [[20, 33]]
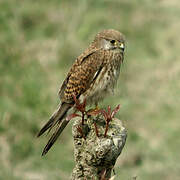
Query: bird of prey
[[93, 76]]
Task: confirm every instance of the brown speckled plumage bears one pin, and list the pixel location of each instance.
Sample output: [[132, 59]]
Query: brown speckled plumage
[[92, 76]]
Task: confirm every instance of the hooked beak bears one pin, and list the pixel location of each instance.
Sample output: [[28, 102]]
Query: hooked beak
[[122, 46]]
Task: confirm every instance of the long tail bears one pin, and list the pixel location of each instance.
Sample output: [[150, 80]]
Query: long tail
[[54, 137], [56, 118]]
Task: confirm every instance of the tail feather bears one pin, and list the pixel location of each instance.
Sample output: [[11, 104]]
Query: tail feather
[[48, 124], [56, 118], [54, 137]]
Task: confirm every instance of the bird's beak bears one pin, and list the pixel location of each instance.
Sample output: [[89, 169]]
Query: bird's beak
[[121, 46]]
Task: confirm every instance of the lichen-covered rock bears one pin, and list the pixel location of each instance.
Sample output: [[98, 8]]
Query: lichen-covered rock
[[96, 154]]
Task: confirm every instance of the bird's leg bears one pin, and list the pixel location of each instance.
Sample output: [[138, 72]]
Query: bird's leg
[[81, 107]]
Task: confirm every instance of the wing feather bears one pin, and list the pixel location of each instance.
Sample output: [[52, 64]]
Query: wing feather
[[82, 74]]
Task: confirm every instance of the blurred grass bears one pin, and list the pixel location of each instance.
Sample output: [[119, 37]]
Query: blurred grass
[[39, 41]]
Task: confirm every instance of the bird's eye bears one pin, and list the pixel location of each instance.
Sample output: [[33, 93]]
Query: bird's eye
[[112, 41]]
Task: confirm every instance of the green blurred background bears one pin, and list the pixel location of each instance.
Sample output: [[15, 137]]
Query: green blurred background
[[39, 40]]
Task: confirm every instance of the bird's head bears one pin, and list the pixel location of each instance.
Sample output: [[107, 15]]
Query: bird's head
[[110, 40]]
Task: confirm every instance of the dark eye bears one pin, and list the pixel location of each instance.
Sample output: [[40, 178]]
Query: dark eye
[[112, 41]]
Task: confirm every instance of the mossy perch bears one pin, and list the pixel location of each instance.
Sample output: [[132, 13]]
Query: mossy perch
[[96, 155]]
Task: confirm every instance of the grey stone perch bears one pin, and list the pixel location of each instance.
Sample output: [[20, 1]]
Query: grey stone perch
[[95, 155]]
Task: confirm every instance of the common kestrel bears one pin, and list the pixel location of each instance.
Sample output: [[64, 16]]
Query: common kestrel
[[92, 76]]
